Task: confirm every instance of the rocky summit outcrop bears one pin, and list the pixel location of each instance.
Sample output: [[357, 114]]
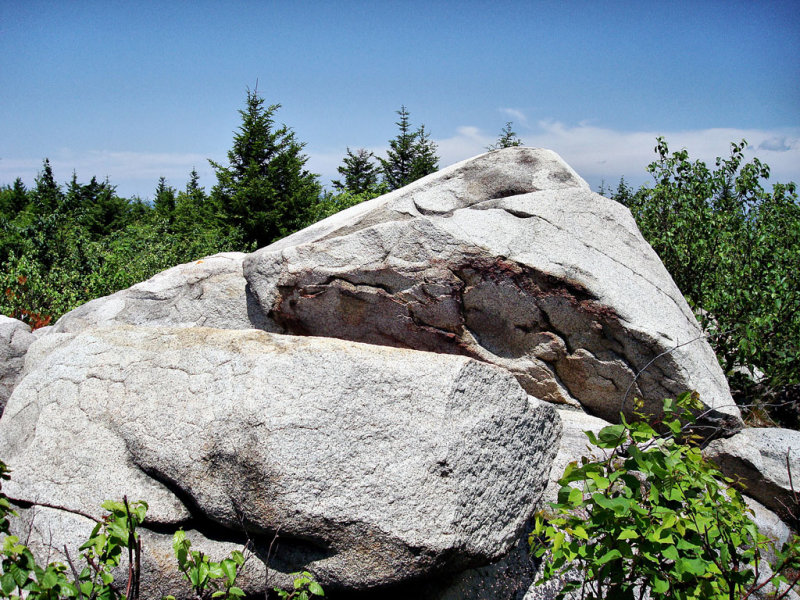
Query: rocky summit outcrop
[[508, 258], [368, 391], [376, 465]]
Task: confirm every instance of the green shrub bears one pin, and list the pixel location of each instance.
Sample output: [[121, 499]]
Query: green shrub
[[22, 578], [653, 514], [206, 576], [304, 588]]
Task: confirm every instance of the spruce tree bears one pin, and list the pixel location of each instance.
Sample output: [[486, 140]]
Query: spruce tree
[[164, 202], [193, 209], [411, 155], [47, 194], [360, 173], [101, 210], [265, 191], [425, 160], [507, 139], [400, 157], [13, 199]]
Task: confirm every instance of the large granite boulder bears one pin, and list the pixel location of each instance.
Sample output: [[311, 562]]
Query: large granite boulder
[[508, 258], [386, 471], [376, 465], [210, 292], [15, 338]]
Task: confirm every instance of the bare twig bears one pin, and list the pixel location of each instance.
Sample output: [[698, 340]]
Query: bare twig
[[652, 360], [74, 572], [266, 565], [131, 542]]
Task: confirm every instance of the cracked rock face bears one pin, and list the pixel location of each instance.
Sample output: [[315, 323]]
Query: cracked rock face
[[15, 338], [377, 465], [508, 258]]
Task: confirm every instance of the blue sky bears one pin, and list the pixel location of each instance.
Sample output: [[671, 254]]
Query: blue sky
[[137, 90]]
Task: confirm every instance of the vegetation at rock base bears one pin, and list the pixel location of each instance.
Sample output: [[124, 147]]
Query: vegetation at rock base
[[733, 249], [22, 577], [652, 514], [112, 540]]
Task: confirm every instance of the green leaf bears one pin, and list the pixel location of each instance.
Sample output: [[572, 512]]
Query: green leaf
[[579, 532], [660, 586], [670, 552], [215, 571], [7, 583], [315, 589], [48, 580], [628, 534], [609, 556], [113, 505], [575, 497], [695, 566], [611, 436], [229, 568]]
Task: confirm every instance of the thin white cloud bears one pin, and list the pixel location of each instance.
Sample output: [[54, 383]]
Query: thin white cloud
[[468, 141], [600, 153], [777, 144], [596, 153], [517, 115]]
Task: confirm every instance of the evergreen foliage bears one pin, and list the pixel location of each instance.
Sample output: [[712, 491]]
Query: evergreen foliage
[[194, 210], [265, 191], [425, 160], [66, 248], [47, 194], [507, 138], [400, 156], [360, 174], [164, 201], [13, 199], [411, 154]]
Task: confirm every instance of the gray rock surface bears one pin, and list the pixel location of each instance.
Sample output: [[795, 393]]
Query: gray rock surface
[[15, 337], [769, 524], [508, 258], [210, 292], [375, 464], [572, 445], [758, 457]]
